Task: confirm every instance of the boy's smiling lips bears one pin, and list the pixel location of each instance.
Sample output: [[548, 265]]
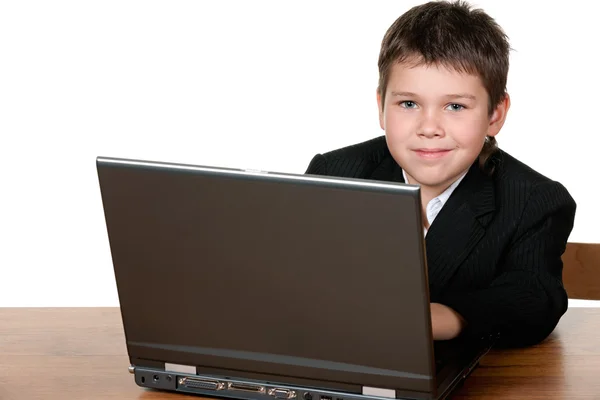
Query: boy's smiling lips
[[432, 153]]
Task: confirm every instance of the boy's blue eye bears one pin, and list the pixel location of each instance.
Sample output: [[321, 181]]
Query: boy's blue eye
[[407, 104], [456, 107]]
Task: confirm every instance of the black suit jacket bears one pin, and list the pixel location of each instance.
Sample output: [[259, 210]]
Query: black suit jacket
[[494, 251]]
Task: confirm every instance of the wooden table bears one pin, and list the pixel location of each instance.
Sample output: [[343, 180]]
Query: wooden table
[[80, 353]]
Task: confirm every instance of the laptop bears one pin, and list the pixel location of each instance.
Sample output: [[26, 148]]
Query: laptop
[[243, 284]]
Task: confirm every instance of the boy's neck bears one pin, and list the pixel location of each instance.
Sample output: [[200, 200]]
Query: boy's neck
[[428, 193]]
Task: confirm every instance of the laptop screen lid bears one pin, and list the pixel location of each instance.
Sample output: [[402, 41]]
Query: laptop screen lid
[[289, 276]]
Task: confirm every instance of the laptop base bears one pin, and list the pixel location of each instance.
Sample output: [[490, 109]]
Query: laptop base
[[228, 388]]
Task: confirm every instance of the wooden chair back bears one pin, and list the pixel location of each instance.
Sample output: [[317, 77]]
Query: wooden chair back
[[581, 271]]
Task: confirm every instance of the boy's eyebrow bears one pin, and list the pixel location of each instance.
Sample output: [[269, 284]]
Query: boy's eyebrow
[[406, 94], [461, 96], [449, 96]]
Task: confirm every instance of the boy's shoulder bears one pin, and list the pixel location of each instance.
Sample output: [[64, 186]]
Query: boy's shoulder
[[356, 161], [512, 171], [372, 150], [518, 186]]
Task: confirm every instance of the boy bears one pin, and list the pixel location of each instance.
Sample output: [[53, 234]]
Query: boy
[[495, 229]]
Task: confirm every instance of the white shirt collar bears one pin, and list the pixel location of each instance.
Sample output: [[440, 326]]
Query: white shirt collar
[[435, 205]]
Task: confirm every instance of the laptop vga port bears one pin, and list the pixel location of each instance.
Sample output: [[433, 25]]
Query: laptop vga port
[[280, 393]]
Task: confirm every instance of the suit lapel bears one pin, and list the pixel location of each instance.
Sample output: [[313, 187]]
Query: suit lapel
[[459, 226]]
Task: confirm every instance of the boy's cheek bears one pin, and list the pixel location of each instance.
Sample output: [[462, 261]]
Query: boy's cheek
[[396, 137]]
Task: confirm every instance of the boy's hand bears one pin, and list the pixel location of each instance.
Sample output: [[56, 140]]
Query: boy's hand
[[446, 323]]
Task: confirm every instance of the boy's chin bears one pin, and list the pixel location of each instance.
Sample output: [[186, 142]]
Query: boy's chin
[[437, 180]]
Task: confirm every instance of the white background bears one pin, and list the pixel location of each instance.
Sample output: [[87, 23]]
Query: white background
[[257, 84]]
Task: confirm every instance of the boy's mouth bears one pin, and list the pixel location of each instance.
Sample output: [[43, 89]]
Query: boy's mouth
[[432, 153]]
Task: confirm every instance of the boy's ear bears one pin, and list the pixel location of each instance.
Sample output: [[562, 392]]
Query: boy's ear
[[380, 108], [499, 116]]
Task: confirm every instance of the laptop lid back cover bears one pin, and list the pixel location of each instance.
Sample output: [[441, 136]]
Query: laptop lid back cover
[[297, 276]]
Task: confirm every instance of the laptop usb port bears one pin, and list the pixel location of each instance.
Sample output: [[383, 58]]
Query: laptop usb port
[[326, 398]]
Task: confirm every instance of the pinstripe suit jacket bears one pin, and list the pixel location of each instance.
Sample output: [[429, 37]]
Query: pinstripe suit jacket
[[494, 251]]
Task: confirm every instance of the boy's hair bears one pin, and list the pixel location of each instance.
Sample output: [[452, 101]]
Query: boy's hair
[[456, 36]]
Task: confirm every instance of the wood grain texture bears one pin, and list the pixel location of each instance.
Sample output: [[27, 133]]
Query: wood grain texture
[[80, 353], [581, 271]]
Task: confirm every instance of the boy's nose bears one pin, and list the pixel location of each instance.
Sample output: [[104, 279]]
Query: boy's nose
[[430, 126]]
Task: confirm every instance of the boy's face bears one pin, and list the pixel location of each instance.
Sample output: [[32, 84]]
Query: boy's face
[[436, 121]]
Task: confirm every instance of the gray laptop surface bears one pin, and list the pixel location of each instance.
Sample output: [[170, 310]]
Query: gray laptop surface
[[255, 285]]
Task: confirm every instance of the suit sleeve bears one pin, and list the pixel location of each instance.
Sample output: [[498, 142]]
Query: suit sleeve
[[527, 298], [317, 166]]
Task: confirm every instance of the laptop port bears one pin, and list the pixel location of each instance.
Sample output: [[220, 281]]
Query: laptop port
[[282, 393], [246, 387], [198, 383], [325, 397], [279, 393]]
